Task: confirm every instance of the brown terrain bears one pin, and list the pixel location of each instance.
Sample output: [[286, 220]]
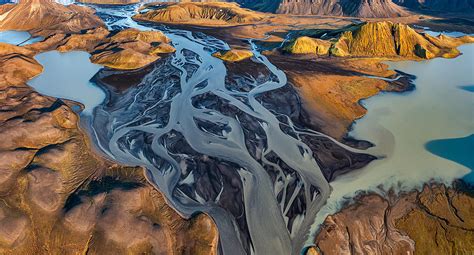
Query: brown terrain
[[197, 13], [331, 75], [382, 40], [331, 89], [362, 8], [437, 220], [234, 55], [234, 23], [49, 18], [110, 2], [130, 49], [58, 196]]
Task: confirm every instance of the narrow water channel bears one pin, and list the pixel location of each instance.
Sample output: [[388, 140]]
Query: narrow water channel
[[211, 144]]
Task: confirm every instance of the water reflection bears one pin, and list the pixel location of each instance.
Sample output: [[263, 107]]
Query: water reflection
[[67, 76]]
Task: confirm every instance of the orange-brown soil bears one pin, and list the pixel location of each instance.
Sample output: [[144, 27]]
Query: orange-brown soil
[[58, 196], [74, 27], [127, 50], [131, 49], [45, 17], [196, 13], [437, 220], [234, 55], [380, 39], [234, 23], [109, 2], [331, 88]]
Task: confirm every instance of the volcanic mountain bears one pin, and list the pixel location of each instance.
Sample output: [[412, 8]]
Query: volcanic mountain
[[201, 14], [46, 17], [439, 5], [358, 8], [380, 39]]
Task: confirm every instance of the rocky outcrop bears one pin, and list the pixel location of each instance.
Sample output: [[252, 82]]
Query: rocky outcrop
[[381, 39], [17, 65], [127, 50], [201, 14], [332, 85], [465, 6], [386, 39], [59, 197], [86, 41], [359, 8], [234, 55], [437, 220], [308, 45], [46, 17], [131, 49]]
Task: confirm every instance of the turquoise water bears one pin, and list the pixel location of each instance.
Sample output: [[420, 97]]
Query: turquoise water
[[468, 88], [67, 76], [18, 37], [422, 135], [460, 150]]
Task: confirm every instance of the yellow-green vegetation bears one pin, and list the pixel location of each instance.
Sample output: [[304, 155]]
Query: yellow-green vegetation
[[133, 34], [443, 224], [215, 13], [125, 59], [233, 55], [437, 220], [163, 48], [381, 39], [131, 49], [308, 45]]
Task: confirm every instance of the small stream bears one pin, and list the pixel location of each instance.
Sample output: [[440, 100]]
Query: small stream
[[212, 143]]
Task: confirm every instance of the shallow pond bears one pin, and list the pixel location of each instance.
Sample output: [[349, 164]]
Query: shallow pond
[[67, 76], [18, 37]]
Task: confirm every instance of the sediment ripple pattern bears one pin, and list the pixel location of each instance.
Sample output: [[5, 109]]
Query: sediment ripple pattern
[[211, 145]]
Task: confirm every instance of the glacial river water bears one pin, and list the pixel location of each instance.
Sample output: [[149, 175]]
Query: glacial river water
[[421, 135], [210, 144]]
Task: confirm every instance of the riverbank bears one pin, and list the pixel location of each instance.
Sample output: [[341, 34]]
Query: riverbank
[[56, 191], [408, 168], [59, 195], [232, 139]]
